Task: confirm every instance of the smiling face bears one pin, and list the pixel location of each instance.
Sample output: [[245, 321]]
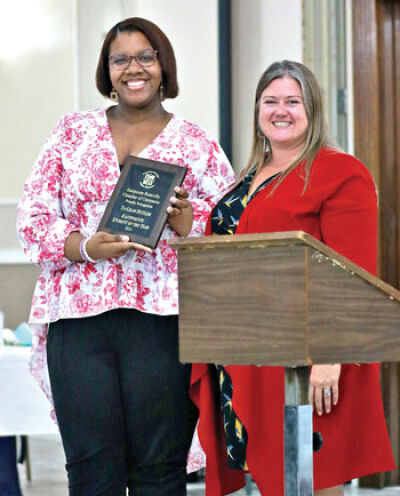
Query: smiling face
[[282, 115], [136, 86]]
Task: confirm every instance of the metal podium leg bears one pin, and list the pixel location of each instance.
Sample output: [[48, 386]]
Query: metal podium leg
[[298, 433]]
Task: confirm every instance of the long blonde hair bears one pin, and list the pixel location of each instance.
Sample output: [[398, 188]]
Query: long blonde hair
[[317, 132]]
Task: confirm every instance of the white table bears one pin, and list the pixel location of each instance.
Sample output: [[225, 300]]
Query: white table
[[24, 408]]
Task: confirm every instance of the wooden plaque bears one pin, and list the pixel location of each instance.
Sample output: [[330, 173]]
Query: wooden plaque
[[138, 204]]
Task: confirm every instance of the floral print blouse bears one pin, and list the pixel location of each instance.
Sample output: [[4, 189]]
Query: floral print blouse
[[68, 190]]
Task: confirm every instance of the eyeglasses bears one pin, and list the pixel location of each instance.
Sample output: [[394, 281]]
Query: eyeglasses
[[121, 61]]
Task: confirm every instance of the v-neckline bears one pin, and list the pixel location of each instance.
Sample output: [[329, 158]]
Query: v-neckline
[[261, 186], [111, 137]]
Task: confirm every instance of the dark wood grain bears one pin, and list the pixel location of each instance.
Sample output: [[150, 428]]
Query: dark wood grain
[[389, 57], [367, 128], [376, 54], [389, 159], [281, 299], [349, 320], [248, 299]]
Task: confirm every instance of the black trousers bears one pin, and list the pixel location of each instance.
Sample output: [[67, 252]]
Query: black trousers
[[9, 481], [122, 404]]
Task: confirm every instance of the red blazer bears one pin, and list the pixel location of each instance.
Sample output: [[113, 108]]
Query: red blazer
[[339, 207]]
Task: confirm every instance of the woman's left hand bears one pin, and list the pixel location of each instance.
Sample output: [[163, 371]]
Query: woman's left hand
[[180, 213], [324, 387]]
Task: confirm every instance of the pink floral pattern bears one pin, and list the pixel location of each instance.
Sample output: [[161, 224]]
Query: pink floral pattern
[[68, 190]]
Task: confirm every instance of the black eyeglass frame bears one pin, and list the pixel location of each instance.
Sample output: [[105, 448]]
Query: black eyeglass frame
[[133, 57]]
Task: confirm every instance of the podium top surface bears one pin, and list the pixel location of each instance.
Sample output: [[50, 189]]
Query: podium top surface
[[281, 299], [286, 238]]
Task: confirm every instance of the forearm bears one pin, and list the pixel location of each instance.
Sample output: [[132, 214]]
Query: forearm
[[72, 245]]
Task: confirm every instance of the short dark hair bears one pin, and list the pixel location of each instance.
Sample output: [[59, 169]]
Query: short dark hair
[[158, 41]]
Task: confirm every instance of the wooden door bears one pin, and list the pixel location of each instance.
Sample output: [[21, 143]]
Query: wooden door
[[376, 53]]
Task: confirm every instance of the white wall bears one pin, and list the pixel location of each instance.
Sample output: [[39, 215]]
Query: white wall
[[263, 32], [48, 68], [192, 28], [36, 81], [49, 52], [94, 18]]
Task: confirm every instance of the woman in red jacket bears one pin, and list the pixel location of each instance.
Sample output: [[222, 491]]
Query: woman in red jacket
[[296, 179]]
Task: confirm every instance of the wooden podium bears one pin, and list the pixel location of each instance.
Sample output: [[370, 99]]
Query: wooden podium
[[283, 299]]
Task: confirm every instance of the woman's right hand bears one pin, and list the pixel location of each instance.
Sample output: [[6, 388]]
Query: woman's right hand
[[103, 245], [100, 246]]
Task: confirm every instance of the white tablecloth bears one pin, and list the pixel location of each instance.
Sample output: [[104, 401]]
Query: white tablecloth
[[24, 408]]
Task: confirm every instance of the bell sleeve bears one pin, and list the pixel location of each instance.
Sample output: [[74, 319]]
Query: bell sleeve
[[41, 226]]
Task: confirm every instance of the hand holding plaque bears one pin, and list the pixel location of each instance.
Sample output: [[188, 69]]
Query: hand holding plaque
[[138, 204]]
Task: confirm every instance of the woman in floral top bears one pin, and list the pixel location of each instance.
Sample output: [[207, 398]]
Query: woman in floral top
[[105, 309]]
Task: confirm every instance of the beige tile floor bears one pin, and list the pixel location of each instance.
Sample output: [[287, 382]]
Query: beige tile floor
[[49, 479]]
